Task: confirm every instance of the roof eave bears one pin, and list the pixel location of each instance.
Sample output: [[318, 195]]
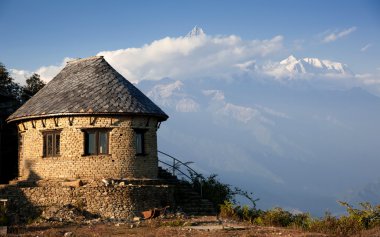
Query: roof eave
[[161, 117]]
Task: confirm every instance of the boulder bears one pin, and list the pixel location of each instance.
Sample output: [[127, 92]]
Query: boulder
[[74, 184]]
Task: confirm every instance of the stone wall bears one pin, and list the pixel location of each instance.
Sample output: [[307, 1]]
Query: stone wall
[[119, 202], [122, 161]]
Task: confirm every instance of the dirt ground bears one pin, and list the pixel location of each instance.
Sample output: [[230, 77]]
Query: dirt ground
[[123, 230], [200, 226]]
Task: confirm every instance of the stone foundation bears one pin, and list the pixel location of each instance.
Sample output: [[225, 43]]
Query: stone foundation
[[118, 201]]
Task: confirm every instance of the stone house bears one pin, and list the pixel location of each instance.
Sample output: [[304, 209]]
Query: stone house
[[88, 122]]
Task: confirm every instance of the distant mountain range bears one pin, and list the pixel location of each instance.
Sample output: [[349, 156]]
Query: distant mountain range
[[314, 66], [302, 148]]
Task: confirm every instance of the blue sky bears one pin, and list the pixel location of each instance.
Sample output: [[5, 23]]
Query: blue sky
[[37, 33]]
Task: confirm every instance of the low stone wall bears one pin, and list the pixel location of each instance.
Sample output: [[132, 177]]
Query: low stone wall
[[113, 201]]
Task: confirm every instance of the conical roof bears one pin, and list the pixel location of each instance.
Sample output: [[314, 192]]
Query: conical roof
[[88, 86]]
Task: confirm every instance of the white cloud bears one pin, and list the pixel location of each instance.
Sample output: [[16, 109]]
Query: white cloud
[[171, 95], [46, 72], [166, 94], [20, 76], [240, 113], [182, 57], [338, 34], [247, 66], [272, 112], [165, 90], [365, 47], [217, 95], [189, 57], [224, 57], [368, 79], [187, 105]]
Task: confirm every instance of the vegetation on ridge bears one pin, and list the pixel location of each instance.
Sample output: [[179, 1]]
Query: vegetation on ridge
[[223, 197]]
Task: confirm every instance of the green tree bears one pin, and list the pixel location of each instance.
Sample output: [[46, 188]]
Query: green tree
[[33, 85], [7, 85]]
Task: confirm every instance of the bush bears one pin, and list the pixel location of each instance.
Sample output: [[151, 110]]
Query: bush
[[216, 191], [302, 220], [249, 214], [223, 198], [3, 217], [367, 217], [275, 217], [227, 210], [357, 220], [336, 226], [245, 213]]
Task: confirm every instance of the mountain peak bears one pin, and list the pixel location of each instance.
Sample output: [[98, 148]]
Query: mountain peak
[[195, 32], [289, 60], [314, 66]]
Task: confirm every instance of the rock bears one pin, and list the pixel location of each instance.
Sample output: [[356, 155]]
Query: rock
[[69, 234], [3, 230], [74, 184], [106, 182], [122, 184]]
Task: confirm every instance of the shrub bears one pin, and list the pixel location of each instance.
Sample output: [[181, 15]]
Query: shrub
[[213, 189], [3, 217], [227, 210], [216, 191], [325, 225], [276, 217], [302, 220], [368, 216], [336, 226]]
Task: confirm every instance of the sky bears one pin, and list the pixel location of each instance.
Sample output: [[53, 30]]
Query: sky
[[38, 33], [289, 89]]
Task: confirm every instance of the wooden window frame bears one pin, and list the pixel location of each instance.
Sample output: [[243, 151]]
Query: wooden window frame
[[45, 149], [97, 131], [142, 132]]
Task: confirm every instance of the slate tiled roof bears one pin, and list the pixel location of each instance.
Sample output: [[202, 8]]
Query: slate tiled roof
[[88, 86]]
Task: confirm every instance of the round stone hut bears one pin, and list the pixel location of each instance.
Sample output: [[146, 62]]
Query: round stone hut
[[88, 122]]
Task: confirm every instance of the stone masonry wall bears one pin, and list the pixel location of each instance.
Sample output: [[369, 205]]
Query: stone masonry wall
[[121, 202], [121, 162]]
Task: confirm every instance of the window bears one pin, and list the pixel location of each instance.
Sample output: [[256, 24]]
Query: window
[[96, 142], [140, 141], [51, 143]]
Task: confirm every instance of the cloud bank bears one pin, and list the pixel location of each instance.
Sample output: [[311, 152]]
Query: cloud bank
[[198, 55], [191, 56]]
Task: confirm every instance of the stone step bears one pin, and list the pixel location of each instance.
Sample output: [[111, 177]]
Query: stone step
[[187, 198]]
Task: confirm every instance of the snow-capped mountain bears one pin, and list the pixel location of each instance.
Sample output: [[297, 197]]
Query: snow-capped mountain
[[195, 32], [314, 66]]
